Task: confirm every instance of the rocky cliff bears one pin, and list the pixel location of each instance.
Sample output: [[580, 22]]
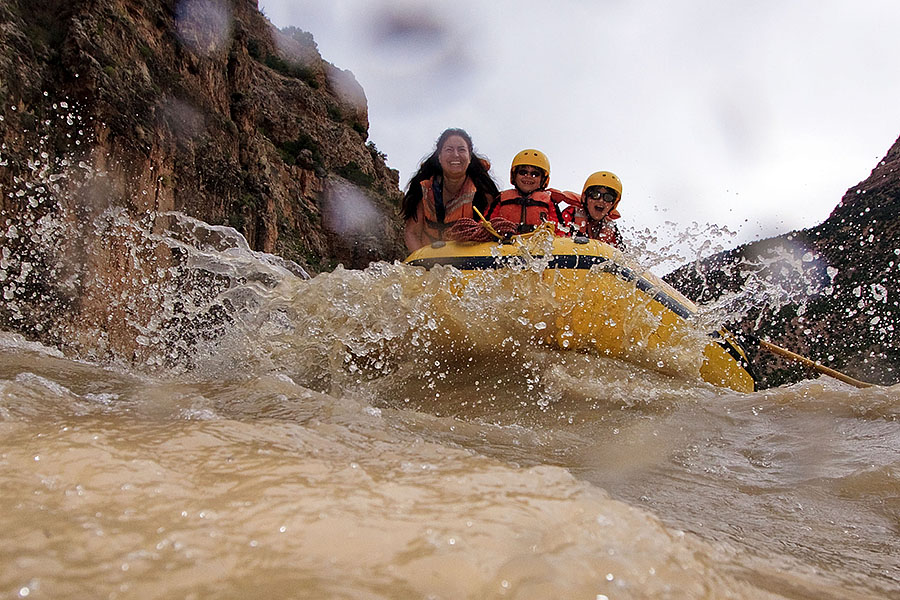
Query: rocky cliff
[[201, 106], [830, 293], [115, 112]]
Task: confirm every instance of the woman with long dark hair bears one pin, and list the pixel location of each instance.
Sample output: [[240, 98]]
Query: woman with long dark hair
[[447, 185]]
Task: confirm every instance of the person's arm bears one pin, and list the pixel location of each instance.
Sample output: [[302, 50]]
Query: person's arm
[[412, 232], [556, 213], [492, 204], [483, 201]]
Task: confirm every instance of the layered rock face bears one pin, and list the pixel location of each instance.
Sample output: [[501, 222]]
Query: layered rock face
[[115, 112], [839, 284], [202, 106]]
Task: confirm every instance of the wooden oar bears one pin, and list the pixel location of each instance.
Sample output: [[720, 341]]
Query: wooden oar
[[809, 363]]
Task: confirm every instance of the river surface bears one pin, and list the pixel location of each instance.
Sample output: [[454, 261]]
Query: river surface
[[369, 434]]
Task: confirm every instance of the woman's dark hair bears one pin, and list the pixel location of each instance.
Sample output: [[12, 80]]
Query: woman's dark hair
[[477, 171]]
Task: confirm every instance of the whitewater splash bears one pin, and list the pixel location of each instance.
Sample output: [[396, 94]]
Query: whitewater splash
[[167, 293], [203, 420], [289, 463], [80, 271]]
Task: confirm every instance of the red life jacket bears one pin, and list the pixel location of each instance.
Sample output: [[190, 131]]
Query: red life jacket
[[528, 212], [440, 213], [604, 231]]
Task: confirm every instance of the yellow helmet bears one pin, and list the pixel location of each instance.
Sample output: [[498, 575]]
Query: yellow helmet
[[606, 179], [532, 158]]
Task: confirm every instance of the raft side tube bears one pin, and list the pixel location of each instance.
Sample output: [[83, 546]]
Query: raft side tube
[[727, 367]]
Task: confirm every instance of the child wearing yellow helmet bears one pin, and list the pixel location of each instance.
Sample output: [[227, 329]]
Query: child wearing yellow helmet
[[594, 217], [529, 202]]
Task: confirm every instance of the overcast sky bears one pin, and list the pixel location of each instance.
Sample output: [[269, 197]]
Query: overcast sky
[[751, 115]]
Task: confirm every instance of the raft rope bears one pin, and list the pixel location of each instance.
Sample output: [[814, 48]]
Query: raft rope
[[470, 230]]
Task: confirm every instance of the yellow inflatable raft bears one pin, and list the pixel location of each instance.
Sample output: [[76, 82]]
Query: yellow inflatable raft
[[601, 302]]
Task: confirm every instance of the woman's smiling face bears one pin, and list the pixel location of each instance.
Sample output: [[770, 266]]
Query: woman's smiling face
[[455, 156]]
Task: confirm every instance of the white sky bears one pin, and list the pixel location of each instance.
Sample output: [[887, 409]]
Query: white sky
[[752, 115]]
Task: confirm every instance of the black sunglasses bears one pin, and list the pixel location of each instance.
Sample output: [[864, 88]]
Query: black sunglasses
[[596, 194], [531, 172]]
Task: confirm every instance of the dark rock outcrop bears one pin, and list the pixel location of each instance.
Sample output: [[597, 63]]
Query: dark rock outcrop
[[836, 285], [203, 107], [115, 110]]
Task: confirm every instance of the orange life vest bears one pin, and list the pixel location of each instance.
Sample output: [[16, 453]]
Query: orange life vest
[[604, 231], [528, 212], [564, 197], [440, 213]]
